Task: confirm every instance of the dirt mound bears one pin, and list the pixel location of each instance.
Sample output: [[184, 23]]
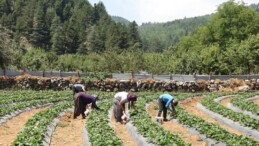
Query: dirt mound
[[67, 117], [234, 83], [202, 84]]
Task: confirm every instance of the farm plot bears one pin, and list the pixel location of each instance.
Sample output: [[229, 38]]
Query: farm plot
[[121, 131], [190, 106], [100, 129], [10, 129], [18, 107], [210, 130], [244, 120], [68, 131], [256, 101], [177, 128]]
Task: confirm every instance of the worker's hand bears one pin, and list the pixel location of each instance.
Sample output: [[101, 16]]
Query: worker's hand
[[174, 114]]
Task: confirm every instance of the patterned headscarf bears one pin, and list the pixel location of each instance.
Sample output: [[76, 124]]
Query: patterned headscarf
[[132, 97]]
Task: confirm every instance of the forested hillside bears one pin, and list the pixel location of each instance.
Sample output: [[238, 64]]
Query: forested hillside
[[65, 26], [228, 44], [120, 20], [72, 35], [158, 36]]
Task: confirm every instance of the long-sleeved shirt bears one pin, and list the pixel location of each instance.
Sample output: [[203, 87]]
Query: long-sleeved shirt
[[87, 99], [167, 98], [121, 97]]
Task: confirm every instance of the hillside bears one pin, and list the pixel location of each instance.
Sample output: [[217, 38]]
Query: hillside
[[65, 26], [121, 20], [158, 36], [73, 35]]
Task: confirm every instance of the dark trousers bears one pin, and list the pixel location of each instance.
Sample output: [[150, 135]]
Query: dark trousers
[[162, 107], [80, 106]]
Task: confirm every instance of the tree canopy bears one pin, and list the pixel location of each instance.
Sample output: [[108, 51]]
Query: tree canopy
[[72, 35]]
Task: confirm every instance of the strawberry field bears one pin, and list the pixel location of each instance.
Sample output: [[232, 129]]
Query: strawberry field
[[45, 118]]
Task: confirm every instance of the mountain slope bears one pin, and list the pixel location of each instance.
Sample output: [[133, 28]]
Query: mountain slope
[[121, 20], [157, 36]]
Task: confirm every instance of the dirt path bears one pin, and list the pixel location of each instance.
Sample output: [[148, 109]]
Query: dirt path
[[256, 101], [176, 128], [69, 131], [190, 106], [122, 133], [225, 101], [10, 129]]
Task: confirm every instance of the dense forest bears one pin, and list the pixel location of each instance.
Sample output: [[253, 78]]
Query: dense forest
[[73, 35], [121, 20], [158, 36]]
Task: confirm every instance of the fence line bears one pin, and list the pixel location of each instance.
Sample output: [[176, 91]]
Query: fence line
[[41, 73], [166, 77]]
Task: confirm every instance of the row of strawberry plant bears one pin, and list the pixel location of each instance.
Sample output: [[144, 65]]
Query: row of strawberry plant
[[97, 125], [35, 128], [18, 93], [7, 93], [8, 109], [241, 102], [29, 97], [211, 130], [16, 96], [244, 120], [148, 128]]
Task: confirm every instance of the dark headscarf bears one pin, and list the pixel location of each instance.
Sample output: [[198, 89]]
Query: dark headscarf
[[132, 97]]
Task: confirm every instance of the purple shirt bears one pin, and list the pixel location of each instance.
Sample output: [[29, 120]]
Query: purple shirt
[[87, 99]]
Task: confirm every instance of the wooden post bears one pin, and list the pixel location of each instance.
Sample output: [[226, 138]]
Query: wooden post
[[78, 74]]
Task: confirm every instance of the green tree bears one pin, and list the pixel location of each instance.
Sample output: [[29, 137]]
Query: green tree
[[155, 63], [92, 63], [34, 60], [5, 7], [248, 54], [94, 42], [40, 32], [133, 61], [209, 59], [233, 22], [111, 61], [58, 37], [133, 35], [72, 37], [5, 56]]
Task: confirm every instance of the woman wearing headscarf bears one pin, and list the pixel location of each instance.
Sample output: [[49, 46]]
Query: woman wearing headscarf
[[120, 99], [81, 101], [76, 88]]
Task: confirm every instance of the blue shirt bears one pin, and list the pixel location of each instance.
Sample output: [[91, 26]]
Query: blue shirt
[[167, 98]]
